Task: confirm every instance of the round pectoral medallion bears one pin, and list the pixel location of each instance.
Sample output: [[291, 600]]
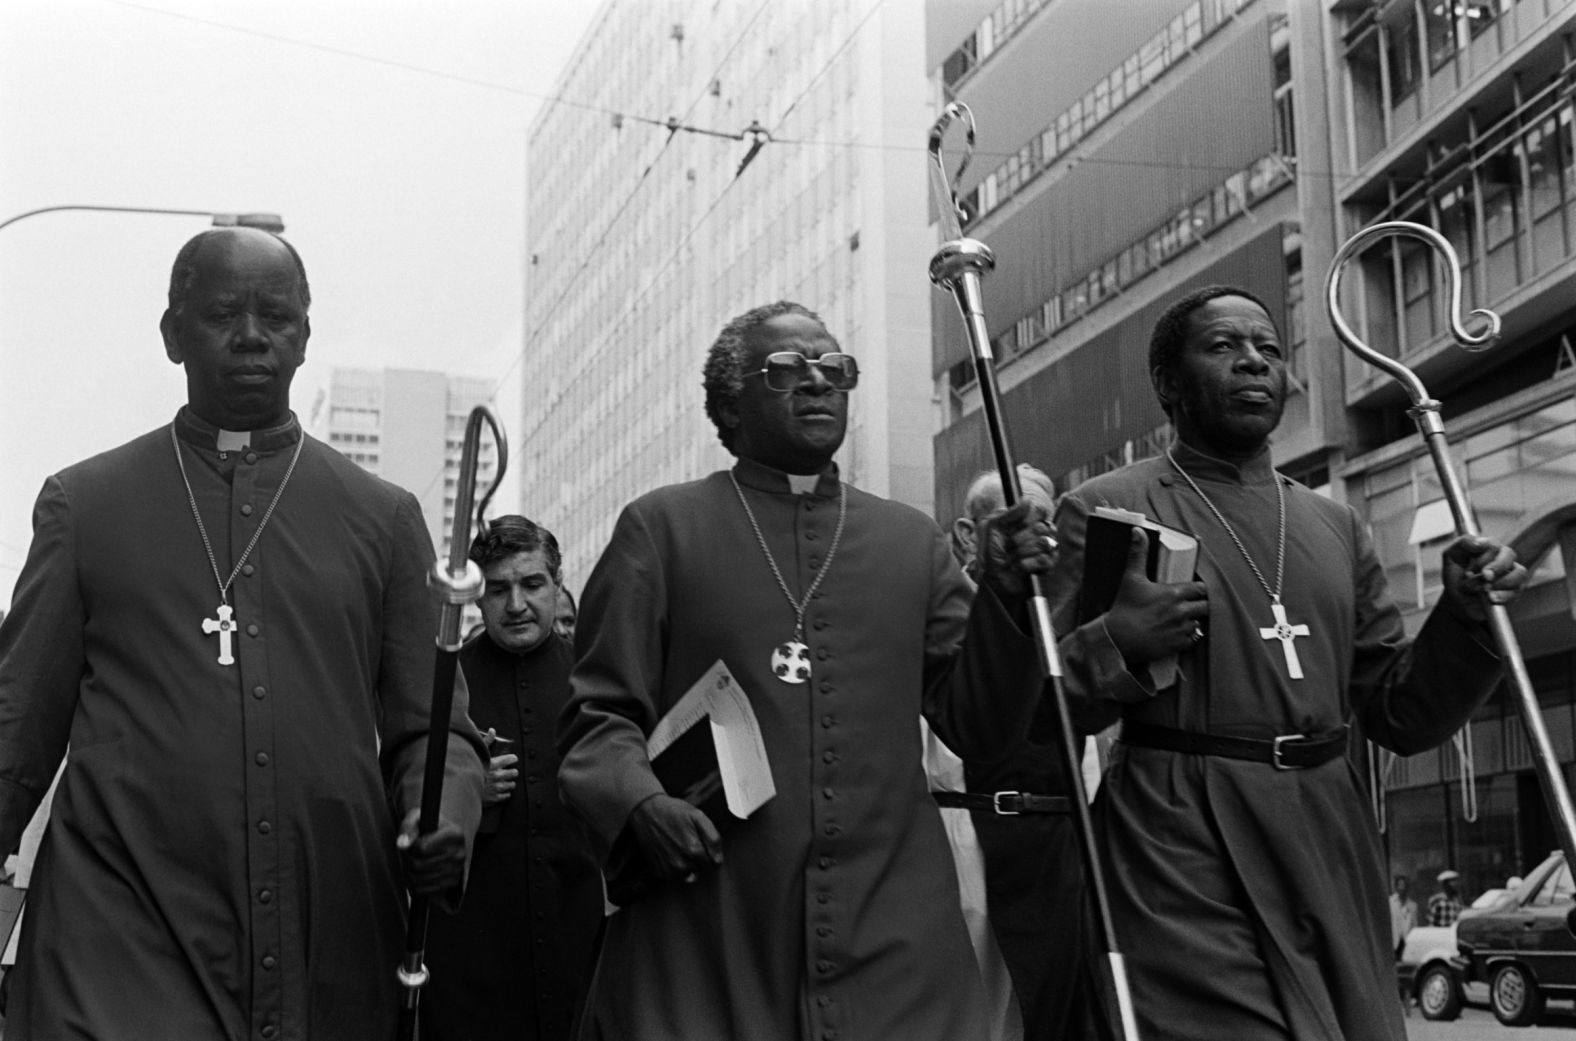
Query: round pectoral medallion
[[791, 662]]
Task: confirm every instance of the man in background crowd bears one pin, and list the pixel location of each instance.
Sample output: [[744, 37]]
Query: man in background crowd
[[513, 964], [567, 614], [1444, 907], [1035, 899], [1403, 913]]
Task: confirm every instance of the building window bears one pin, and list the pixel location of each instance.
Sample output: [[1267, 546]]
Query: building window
[[1296, 316], [1457, 223], [1103, 99], [1402, 52], [959, 62], [1285, 112], [1481, 14], [1442, 25]]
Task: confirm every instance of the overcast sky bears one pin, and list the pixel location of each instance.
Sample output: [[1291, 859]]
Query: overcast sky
[[403, 189]]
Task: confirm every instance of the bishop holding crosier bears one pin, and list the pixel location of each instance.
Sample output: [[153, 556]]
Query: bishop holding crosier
[[1247, 882], [228, 622], [833, 911]]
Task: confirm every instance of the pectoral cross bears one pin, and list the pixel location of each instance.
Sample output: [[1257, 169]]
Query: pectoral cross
[[1285, 632], [224, 625]]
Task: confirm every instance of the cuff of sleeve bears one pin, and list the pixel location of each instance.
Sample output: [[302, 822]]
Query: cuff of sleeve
[[1457, 624], [1112, 679], [636, 789], [17, 805]]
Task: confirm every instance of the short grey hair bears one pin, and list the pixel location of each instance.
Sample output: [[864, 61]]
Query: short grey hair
[[724, 372], [985, 496]]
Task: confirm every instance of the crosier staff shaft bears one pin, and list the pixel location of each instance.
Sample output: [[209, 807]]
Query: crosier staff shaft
[[457, 584], [958, 267], [1425, 413]]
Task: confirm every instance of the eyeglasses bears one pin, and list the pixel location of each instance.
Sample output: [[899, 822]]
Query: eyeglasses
[[785, 369]]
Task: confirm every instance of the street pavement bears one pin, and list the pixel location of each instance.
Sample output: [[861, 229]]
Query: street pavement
[[1479, 1024]]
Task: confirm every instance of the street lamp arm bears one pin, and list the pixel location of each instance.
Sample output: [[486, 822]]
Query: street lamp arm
[[266, 221]]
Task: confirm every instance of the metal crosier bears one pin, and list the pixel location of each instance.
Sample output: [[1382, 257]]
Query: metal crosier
[[957, 267], [456, 584], [1425, 413]]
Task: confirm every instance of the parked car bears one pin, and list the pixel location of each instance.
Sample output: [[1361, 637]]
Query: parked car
[[1428, 972], [1523, 946], [1430, 968]]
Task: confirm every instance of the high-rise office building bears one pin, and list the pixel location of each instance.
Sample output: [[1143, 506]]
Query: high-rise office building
[[643, 239], [1459, 116], [1140, 150], [407, 426]]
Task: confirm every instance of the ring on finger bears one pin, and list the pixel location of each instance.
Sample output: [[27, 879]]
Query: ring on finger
[[1198, 633]]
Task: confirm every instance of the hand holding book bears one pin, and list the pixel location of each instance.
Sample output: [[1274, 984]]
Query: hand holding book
[[708, 753], [1138, 574], [675, 836]]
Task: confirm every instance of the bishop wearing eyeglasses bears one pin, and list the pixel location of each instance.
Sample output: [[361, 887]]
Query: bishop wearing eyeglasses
[[832, 912]]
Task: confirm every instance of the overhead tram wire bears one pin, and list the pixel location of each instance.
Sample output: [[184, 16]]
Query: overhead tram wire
[[634, 191], [671, 124], [816, 78], [640, 297], [613, 222], [549, 100], [827, 65]]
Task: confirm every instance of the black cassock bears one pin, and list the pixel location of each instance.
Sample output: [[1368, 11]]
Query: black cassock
[[515, 960]]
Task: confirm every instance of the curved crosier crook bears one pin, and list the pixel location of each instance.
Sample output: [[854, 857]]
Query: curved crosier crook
[[455, 583], [957, 267], [952, 212], [1479, 341], [1425, 413]]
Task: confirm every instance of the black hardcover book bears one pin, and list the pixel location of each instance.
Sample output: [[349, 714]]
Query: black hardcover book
[[688, 770], [707, 750], [1172, 556]]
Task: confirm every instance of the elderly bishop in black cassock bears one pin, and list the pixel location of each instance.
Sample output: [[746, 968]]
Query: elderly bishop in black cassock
[[832, 911]]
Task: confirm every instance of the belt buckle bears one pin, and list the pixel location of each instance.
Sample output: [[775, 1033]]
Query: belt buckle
[[995, 803], [1276, 749]]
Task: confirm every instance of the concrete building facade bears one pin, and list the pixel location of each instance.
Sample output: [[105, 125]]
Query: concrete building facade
[[645, 237], [1459, 116], [1131, 152], [407, 426]]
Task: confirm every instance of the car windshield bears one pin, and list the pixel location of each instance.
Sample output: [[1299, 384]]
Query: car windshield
[[1558, 889]]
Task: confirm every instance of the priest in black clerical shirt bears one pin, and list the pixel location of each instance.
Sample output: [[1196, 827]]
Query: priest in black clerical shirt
[[514, 962]]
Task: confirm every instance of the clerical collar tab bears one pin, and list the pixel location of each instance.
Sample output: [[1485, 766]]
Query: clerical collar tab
[[768, 479], [199, 433]]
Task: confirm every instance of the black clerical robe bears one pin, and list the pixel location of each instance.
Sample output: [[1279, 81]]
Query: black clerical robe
[[834, 913], [1035, 896], [220, 858], [1250, 901], [514, 962]]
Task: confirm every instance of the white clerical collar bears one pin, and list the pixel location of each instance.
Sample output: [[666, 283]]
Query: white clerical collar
[[802, 484], [232, 440]]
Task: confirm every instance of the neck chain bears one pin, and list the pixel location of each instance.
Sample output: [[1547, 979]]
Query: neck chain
[[225, 623], [1283, 630], [791, 661]]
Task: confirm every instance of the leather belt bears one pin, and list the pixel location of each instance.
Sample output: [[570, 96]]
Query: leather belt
[[1007, 804], [1286, 752]]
